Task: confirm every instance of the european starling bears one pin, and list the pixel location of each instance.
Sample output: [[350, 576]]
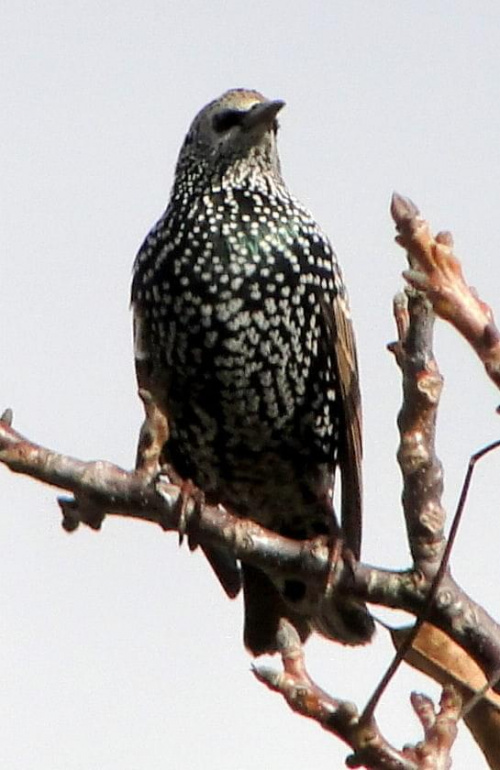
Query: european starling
[[244, 340]]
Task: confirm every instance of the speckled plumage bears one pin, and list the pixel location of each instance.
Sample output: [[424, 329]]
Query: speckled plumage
[[244, 339]]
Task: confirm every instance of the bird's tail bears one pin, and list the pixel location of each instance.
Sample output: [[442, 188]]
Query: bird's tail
[[264, 608], [343, 620]]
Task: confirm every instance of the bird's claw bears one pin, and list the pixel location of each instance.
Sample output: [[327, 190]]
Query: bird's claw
[[188, 506], [350, 561]]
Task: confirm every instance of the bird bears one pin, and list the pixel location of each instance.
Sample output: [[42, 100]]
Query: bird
[[244, 342]]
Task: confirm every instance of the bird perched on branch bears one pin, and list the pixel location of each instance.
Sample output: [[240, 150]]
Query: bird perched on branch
[[244, 343]]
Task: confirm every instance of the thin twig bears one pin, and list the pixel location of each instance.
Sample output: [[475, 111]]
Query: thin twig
[[408, 641], [435, 271]]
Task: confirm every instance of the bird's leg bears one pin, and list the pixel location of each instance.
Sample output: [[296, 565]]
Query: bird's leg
[[349, 559], [152, 437], [151, 464], [338, 552], [187, 508]]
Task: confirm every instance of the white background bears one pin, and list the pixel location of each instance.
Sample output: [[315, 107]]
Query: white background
[[117, 649]]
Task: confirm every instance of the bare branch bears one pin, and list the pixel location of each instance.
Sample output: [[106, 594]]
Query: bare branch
[[440, 730], [436, 655], [101, 488], [421, 469], [435, 271], [342, 719]]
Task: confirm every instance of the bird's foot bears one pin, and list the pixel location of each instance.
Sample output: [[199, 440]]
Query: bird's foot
[[350, 561], [188, 508]]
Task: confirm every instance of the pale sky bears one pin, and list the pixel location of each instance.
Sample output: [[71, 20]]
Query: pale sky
[[118, 649]]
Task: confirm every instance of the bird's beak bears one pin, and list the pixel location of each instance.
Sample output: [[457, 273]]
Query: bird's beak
[[262, 114]]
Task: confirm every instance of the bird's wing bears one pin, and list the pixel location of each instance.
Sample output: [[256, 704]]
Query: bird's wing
[[341, 340]]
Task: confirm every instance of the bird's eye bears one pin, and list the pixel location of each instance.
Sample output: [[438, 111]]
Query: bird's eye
[[227, 119]]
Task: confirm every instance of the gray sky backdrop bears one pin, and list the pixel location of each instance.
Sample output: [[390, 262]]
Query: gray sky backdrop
[[118, 650]]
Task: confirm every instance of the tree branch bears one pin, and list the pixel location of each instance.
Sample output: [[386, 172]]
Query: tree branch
[[420, 467], [101, 488], [341, 718], [435, 271]]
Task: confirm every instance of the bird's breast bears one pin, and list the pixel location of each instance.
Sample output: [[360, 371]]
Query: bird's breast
[[233, 306]]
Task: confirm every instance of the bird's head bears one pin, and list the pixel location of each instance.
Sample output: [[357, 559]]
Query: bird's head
[[239, 126]]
